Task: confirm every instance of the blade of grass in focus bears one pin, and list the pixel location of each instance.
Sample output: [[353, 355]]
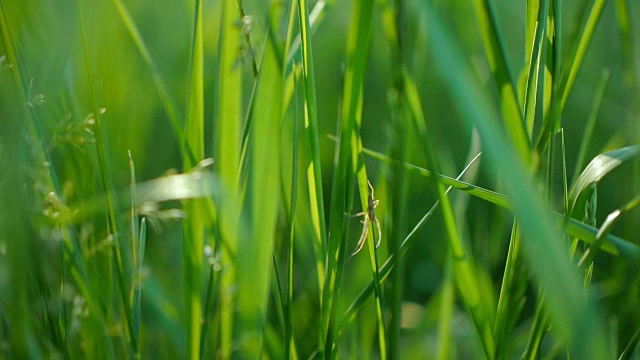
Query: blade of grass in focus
[[314, 172], [359, 35], [392, 16]]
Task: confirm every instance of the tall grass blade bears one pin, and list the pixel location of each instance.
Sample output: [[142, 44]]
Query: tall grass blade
[[175, 116], [535, 62], [229, 118], [314, 173], [359, 36], [121, 253], [253, 264], [496, 56], [579, 51], [465, 275], [193, 226]]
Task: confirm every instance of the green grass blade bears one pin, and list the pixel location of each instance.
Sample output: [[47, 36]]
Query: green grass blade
[[289, 352], [538, 330], [496, 56], [605, 229], [136, 256], [193, 226], [229, 118], [137, 294], [631, 347], [121, 255], [575, 319], [358, 40], [574, 63], [175, 116], [445, 322], [254, 262], [535, 62], [393, 21], [314, 173], [511, 301], [465, 275], [597, 169]]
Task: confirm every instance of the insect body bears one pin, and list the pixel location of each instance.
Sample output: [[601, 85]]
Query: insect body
[[369, 216]]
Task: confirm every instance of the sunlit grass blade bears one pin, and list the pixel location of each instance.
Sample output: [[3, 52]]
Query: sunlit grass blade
[[511, 301], [193, 226], [597, 169], [575, 319], [293, 45], [289, 349], [314, 172], [496, 56]]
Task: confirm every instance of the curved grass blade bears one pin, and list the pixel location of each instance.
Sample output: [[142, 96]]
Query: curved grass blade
[[597, 169]]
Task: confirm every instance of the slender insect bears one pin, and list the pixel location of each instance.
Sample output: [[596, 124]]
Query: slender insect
[[369, 216]]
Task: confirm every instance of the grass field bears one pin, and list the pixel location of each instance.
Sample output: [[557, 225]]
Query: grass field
[[211, 179]]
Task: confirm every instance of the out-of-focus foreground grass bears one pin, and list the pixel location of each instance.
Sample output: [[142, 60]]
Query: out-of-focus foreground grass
[[179, 179]]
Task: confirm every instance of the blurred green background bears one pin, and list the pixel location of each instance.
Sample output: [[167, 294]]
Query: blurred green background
[[48, 39]]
